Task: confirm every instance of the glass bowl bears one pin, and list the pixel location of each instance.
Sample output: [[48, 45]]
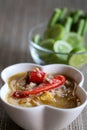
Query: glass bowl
[[43, 56]]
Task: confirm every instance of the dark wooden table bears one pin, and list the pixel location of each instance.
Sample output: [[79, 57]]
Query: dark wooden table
[[17, 17]]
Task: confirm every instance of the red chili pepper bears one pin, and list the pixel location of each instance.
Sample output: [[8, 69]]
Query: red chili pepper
[[45, 86], [37, 76]]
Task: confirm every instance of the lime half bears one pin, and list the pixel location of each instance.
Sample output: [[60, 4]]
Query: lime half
[[56, 32], [63, 48], [78, 60], [74, 39]]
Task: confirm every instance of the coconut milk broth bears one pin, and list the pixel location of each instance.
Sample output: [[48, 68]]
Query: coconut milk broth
[[61, 97]]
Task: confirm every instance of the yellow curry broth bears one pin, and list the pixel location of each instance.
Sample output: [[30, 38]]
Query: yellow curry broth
[[62, 97]]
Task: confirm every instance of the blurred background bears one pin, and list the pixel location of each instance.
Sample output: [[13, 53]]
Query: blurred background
[[17, 17]]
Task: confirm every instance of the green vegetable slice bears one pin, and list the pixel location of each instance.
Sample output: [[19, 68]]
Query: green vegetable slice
[[61, 46], [62, 14], [78, 60], [68, 24], [54, 18], [80, 29]]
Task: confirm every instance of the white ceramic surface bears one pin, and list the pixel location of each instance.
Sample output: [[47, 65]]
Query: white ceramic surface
[[43, 117]]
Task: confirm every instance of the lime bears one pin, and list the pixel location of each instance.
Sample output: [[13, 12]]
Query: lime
[[78, 60], [79, 49], [63, 48], [74, 39], [55, 32], [48, 44]]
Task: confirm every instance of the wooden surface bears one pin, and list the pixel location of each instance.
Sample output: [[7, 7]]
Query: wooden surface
[[17, 17]]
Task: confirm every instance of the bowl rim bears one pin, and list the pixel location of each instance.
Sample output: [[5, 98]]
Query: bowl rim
[[41, 66], [45, 49]]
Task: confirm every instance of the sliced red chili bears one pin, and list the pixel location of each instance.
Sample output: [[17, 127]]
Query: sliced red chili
[[45, 86], [37, 76]]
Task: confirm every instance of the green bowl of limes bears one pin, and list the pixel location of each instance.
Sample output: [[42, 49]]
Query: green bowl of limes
[[61, 40]]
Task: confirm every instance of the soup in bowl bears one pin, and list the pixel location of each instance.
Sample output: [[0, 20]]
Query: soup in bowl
[[51, 93]]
